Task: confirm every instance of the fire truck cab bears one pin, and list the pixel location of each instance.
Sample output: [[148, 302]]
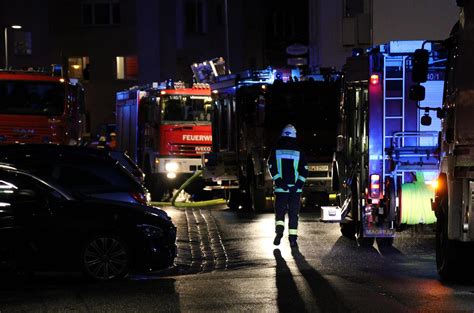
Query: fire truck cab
[[165, 128], [40, 107], [387, 154], [250, 110]]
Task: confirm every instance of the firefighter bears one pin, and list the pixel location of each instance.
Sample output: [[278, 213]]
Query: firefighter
[[102, 144], [288, 168], [113, 141]]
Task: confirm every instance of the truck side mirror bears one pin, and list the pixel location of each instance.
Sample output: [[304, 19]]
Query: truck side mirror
[[419, 73], [440, 113], [417, 93]]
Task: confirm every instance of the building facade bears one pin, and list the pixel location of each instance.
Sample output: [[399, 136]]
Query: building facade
[[111, 45], [337, 27]]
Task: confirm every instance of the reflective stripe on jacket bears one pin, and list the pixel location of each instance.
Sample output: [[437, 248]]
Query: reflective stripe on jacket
[[288, 163]]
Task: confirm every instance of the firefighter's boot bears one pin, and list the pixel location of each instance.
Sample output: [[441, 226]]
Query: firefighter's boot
[[293, 242], [277, 239], [279, 229]]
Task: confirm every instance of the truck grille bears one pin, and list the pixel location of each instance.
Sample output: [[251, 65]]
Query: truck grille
[[319, 171], [319, 174], [188, 149]]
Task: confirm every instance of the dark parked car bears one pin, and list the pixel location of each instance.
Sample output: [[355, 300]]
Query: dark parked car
[[43, 227], [79, 170], [130, 165]]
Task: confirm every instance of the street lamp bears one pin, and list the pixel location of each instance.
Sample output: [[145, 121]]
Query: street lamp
[[6, 42]]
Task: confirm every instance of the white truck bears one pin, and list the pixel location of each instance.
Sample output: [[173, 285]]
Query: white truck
[[454, 197]]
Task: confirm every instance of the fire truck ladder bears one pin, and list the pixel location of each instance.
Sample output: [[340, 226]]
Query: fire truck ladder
[[394, 73]]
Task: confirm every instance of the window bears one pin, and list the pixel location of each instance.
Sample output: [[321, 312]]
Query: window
[[16, 188], [78, 67], [31, 98], [127, 67], [101, 12], [22, 44], [194, 16], [186, 108]]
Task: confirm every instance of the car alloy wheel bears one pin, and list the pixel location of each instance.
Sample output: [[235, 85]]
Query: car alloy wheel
[[105, 258]]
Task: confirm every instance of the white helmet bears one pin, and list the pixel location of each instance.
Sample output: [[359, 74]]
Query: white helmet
[[289, 131]]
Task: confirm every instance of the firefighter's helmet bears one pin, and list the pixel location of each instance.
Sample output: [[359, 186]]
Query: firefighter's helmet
[[289, 131]]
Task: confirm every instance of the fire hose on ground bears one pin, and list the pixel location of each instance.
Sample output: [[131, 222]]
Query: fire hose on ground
[[189, 204]]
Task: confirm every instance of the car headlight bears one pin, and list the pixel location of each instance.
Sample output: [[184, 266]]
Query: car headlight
[[159, 213], [151, 231], [171, 166]]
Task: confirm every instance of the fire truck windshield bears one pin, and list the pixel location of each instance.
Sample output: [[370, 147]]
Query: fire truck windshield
[[178, 108], [31, 98]]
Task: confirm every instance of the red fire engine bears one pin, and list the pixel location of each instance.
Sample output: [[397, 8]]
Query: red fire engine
[[387, 146], [165, 128], [36, 107]]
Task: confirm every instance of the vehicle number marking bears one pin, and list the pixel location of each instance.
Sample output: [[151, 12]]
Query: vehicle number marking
[[318, 168]]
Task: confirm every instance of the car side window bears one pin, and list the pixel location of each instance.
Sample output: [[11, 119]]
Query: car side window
[[7, 190], [20, 189], [72, 176], [96, 173]]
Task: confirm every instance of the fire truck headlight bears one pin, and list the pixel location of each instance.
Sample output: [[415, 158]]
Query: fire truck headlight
[[171, 175], [171, 167]]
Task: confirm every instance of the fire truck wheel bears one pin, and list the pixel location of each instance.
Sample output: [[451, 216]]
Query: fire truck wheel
[[196, 189], [354, 200], [390, 199], [233, 199], [384, 242], [447, 253], [335, 176], [257, 195], [365, 241], [348, 230], [153, 184]]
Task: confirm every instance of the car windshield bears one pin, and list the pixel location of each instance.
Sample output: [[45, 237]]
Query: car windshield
[[186, 109], [31, 97]]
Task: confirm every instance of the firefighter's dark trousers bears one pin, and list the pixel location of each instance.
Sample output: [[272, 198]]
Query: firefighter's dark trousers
[[287, 202]]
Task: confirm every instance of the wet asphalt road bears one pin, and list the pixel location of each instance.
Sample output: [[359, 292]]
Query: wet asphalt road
[[227, 263]]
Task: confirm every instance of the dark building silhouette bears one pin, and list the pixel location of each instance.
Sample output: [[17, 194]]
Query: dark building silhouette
[[111, 45]]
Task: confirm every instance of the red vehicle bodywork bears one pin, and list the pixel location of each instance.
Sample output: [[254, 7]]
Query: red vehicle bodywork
[[24, 115], [184, 140], [165, 131]]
